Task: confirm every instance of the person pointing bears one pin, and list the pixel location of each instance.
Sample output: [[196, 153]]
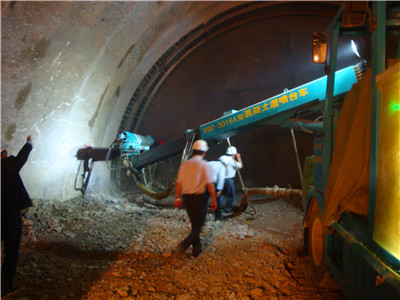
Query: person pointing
[[14, 198]]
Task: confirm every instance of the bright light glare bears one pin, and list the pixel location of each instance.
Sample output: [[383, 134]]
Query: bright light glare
[[394, 107], [354, 47], [316, 58]]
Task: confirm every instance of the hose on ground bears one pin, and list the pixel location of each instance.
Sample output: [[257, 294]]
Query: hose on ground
[[158, 196]]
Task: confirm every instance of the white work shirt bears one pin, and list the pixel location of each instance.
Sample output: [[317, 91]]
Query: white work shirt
[[231, 165], [218, 169], [194, 175]]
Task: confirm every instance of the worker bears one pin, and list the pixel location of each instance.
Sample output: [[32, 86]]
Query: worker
[[219, 170], [14, 198], [194, 178], [232, 161]]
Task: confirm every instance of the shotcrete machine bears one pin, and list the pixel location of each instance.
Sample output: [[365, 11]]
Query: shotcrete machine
[[350, 187], [136, 152]]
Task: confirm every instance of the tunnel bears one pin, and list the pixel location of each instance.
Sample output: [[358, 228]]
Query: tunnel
[[80, 73], [77, 74]]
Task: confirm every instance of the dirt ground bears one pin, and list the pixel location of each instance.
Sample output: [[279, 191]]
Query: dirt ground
[[105, 248]]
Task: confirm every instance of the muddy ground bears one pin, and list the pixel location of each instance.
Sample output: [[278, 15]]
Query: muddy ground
[[99, 247]]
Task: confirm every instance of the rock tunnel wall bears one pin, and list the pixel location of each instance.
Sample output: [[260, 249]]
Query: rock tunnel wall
[[69, 70]]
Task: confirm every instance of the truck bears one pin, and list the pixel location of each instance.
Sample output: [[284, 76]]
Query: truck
[[350, 191], [352, 203]]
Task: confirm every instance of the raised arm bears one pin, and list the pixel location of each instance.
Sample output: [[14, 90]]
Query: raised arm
[[239, 160], [23, 154]]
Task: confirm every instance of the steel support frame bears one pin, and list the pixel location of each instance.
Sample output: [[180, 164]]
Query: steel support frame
[[334, 31], [328, 116], [377, 66]]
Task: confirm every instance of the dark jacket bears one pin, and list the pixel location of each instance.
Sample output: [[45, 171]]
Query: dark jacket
[[14, 196]]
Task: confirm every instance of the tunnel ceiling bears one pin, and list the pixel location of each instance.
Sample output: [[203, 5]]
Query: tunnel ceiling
[[226, 21], [247, 57], [77, 73]]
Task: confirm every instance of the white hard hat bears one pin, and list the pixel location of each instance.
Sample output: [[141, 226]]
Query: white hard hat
[[200, 145], [231, 150]]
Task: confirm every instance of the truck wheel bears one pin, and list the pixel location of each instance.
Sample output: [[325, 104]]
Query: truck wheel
[[316, 241]]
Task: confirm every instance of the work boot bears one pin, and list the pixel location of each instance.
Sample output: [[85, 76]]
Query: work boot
[[197, 252], [227, 214]]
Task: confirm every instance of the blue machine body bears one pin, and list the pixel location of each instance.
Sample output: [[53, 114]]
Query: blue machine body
[[275, 109], [234, 121], [134, 143]]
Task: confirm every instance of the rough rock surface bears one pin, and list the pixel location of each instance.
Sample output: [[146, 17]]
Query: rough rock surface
[[105, 248]]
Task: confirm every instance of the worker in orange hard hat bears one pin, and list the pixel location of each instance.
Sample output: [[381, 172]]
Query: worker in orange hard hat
[[194, 179]]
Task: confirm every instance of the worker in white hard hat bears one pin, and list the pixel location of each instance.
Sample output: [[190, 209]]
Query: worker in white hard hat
[[194, 179], [14, 198], [232, 161]]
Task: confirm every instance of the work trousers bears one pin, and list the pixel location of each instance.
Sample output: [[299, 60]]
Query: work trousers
[[11, 230], [196, 208], [229, 193], [218, 211]]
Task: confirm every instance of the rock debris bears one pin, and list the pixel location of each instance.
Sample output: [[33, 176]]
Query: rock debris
[[101, 247]]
